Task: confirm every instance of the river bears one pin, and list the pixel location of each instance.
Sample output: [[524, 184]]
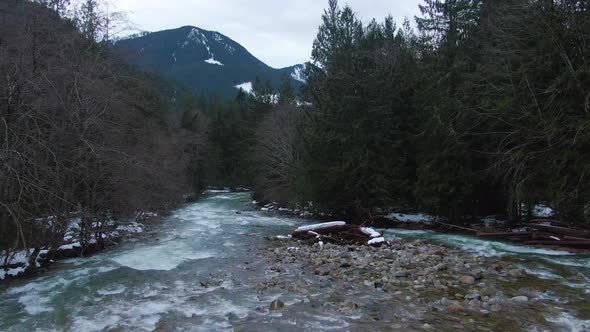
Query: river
[[198, 271]]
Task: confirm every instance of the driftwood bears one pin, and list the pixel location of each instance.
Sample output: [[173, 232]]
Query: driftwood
[[562, 230], [555, 237], [575, 244], [338, 234], [505, 234]]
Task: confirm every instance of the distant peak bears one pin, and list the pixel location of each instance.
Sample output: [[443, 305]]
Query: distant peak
[[195, 37]]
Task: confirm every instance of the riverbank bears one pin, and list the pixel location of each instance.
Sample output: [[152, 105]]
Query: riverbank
[[18, 265], [210, 267], [541, 232], [416, 284]]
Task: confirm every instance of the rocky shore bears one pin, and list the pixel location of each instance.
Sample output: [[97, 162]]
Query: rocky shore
[[409, 285]]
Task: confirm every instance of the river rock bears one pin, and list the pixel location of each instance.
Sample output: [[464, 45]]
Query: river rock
[[472, 296], [520, 299], [496, 308], [455, 308], [467, 280], [488, 291], [401, 274], [441, 267], [276, 305], [477, 274], [322, 271], [517, 273]]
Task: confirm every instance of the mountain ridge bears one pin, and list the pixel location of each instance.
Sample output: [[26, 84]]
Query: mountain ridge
[[206, 61]]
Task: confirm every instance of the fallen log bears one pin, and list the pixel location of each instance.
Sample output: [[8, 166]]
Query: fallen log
[[562, 230], [338, 233], [553, 221], [505, 234], [574, 238], [575, 244]]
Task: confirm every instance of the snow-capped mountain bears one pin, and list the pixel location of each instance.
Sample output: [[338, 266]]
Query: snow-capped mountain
[[206, 61]]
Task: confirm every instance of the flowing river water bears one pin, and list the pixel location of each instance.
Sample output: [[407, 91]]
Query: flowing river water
[[198, 271]]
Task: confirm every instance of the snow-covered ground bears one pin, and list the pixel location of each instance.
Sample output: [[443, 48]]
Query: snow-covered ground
[[299, 73], [212, 61], [316, 227], [246, 87], [543, 211], [18, 262], [410, 217]]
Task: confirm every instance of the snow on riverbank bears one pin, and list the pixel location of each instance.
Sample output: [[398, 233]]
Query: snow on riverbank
[[410, 217], [16, 264], [315, 227]]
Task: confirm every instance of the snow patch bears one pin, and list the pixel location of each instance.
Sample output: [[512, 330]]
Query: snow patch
[[416, 217], [370, 232], [298, 74], [246, 87], [320, 226], [195, 36], [543, 211], [212, 61], [70, 246], [377, 240], [132, 227]]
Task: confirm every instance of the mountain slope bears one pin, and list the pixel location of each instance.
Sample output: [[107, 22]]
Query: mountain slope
[[206, 61]]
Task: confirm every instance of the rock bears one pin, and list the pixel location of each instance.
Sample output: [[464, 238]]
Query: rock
[[276, 305], [467, 280], [322, 271], [477, 274], [475, 304], [472, 296], [530, 292], [496, 308], [401, 274], [439, 253], [521, 299], [345, 254], [494, 300], [426, 326], [517, 273], [488, 291], [455, 308], [378, 284], [441, 267], [345, 265]]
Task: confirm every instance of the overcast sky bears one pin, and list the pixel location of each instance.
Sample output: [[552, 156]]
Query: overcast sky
[[278, 32]]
